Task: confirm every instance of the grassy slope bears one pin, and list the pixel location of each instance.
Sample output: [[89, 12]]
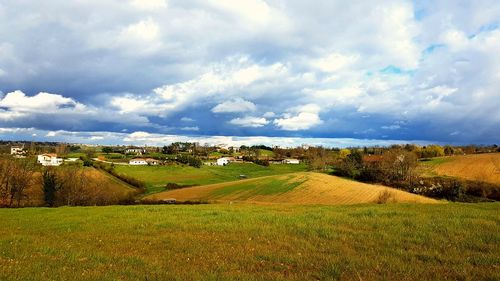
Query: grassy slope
[[301, 188], [252, 242], [110, 187], [483, 167], [156, 177]]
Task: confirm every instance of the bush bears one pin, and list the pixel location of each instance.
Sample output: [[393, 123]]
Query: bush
[[385, 196], [264, 163], [189, 160], [171, 185]]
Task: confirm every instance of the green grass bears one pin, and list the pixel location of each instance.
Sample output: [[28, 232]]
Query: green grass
[[266, 153], [266, 186], [427, 166], [251, 242], [75, 155], [156, 177]]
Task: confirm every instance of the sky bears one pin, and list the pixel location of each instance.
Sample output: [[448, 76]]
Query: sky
[[325, 72]]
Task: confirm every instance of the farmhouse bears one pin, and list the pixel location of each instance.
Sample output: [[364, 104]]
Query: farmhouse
[[224, 161], [18, 151], [143, 161], [134, 150], [291, 161], [49, 160]]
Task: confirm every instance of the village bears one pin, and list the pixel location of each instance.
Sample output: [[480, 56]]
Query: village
[[220, 155]]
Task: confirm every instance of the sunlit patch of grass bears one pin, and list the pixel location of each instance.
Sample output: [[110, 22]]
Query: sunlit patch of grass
[[156, 177]]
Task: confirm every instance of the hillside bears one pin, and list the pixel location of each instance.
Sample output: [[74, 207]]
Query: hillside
[[481, 167], [107, 187], [297, 188], [252, 242], [156, 177]]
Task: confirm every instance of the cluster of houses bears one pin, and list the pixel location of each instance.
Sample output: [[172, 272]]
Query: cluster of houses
[[46, 159], [51, 159], [223, 161]]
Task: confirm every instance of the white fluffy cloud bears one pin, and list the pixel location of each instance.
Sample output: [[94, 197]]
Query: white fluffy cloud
[[306, 117], [249, 121], [42, 102], [149, 4], [222, 81], [235, 105], [147, 63]]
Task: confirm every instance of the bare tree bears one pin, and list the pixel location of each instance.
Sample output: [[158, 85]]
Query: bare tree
[[6, 168], [16, 175]]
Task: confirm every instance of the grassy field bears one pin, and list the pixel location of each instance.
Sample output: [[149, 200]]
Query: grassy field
[[252, 242], [297, 188], [156, 177], [482, 167]]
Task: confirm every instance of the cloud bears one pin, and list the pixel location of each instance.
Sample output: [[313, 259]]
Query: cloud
[[307, 117], [46, 110], [194, 129], [142, 65], [149, 4], [150, 139], [187, 119], [42, 102], [235, 105], [249, 121], [334, 62], [222, 81]]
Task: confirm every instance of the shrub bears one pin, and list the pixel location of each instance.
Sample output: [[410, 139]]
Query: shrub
[[264, 163], [385, 196]]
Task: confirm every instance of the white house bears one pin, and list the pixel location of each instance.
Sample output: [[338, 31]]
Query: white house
[[224, 161], [144, 161], [49, 160], [137, 161], [291, 161], [134, 150], [17, 150]]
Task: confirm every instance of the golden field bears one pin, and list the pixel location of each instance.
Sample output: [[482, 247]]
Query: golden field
[[480, 167], [297, 188]]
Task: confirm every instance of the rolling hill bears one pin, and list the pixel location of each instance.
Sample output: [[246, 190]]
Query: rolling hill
[[156, 177], [296, 188], [481, 167]]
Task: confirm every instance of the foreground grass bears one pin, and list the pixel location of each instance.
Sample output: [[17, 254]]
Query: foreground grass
[[248, 242], [156, 177]]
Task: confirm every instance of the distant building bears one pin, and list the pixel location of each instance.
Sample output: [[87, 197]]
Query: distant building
[[224, 161], [17, 150], [291, 161], [135, 150], [49, 160], [143, 161]]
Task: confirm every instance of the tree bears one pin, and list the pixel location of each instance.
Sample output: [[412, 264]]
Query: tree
[[22, 176], [107, 149], [398, 165], [6, 170], [351, 165], [49, 185], [448, 150]]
